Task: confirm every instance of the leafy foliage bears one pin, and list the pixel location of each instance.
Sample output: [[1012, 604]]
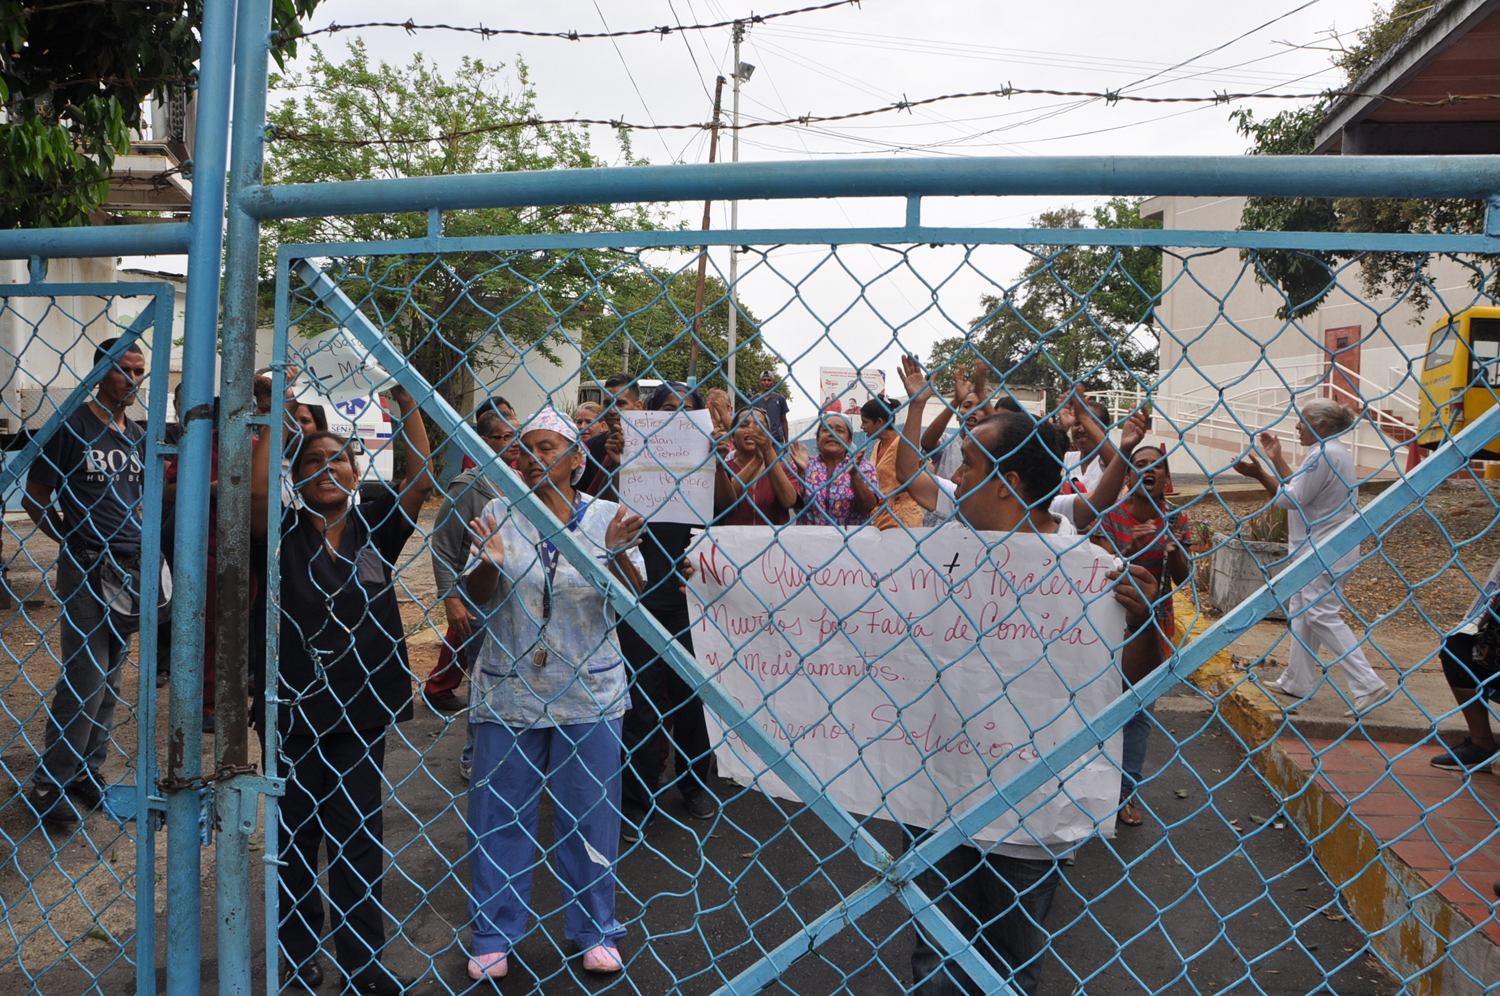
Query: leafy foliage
[[73, 77], [466, 311], [1380, 35], [1076, 315], [1306, 277]]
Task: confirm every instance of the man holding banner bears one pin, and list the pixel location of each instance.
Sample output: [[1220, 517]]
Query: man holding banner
[[913, 680]]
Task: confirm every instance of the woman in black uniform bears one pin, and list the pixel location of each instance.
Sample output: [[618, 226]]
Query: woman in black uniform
[[659, 694], [343, 679]]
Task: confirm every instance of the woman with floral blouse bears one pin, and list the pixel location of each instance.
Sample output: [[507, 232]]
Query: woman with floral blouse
[[840, 485]]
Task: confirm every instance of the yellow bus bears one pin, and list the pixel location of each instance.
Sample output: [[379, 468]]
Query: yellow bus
[[1460, 376]]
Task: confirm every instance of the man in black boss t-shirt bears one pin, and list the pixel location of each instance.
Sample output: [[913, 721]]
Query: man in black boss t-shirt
[[84, 491], [773, 406]]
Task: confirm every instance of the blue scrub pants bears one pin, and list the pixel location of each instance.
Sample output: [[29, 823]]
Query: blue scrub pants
[[580, 767]]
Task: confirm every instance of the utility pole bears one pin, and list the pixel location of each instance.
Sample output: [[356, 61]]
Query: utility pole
[[740, 75], [713, 148]]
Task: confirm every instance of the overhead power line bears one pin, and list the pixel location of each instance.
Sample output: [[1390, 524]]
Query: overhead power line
[[1108, 96], [411, 27]]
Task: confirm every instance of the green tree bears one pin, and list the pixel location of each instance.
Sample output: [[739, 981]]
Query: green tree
[[1076, 315], [459, 312], [73, 77], [1305, 277]]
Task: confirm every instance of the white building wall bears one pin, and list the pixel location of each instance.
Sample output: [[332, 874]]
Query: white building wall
[[1227, 361]]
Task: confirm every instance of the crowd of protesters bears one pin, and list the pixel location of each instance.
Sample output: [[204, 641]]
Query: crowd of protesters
[[562, 697]]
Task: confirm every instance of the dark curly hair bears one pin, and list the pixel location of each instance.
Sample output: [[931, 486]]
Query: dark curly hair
[[1019, 443]]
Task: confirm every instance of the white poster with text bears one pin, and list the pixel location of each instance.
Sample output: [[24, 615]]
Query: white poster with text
[[845, 389], [865, 654], [667, 469]]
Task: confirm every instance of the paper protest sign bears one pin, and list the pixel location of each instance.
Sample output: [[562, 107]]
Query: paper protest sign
[[911, 682], [667, 469], [336, 370]]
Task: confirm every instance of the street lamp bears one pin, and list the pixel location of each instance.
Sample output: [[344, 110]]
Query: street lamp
[[742, 73]]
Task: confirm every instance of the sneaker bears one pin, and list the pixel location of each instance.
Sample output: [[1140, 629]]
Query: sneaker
[[85, 790], [633, 825], [307, 976], [52, 806], [702, 806], [466, 770], [1467, 756], [602, 958], [447, 703], [493, 966], [1365, 703]]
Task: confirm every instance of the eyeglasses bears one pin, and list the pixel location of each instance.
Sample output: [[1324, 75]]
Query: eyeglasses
[[503, 437]]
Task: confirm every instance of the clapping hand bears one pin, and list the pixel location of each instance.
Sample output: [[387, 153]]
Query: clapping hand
[[1271, 445], [1249, 466]]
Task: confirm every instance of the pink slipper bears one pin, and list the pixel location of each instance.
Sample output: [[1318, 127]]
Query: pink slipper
[[602, 958], [493, 966]]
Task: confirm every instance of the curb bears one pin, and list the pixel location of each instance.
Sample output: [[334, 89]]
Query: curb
[[1417, 938]]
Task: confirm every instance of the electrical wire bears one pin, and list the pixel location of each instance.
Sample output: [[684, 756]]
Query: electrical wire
[[655, 127]]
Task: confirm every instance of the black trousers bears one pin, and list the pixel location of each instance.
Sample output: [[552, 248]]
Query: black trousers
[[996, 901], [656, 693], [333, 799]]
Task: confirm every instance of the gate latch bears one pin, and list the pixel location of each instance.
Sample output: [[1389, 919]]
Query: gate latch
[[248, 789]]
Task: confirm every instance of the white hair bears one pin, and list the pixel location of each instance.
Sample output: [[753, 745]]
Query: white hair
[[1329, 415]]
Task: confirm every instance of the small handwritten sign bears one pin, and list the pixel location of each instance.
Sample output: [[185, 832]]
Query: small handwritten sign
[[910, 672], [667, 469]]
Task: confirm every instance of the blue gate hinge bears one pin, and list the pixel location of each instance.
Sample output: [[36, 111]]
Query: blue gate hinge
[[120, 806]]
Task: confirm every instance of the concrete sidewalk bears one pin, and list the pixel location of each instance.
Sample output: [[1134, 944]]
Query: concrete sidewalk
[[1364, 798]]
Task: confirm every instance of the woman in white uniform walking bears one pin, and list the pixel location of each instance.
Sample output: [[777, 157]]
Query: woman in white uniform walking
[[1321, 496]]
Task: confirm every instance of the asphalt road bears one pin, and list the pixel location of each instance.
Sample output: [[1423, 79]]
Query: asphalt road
[[1198, 908]]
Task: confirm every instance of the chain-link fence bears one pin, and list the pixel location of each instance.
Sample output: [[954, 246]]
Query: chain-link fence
[[894, 730], [85, 398]]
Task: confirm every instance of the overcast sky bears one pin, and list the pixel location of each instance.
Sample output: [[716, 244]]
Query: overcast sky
[[852, 58]]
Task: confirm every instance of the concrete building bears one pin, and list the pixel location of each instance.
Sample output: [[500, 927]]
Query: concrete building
[[1228, 364]]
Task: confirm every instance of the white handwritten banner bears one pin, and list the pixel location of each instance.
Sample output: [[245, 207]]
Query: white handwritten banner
[[667, 470], [865, 656]]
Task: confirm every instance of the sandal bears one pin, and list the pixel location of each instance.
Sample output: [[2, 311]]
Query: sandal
[[1130, 815]]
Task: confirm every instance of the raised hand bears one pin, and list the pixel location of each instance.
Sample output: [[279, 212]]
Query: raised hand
[[1132, 433], [961, 386], [624, 531], [798, 453], [720, 409], [914, 379], [488, 544]]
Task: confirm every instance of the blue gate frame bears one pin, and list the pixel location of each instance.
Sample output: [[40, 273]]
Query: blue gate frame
[[125, 802], [237, 35]]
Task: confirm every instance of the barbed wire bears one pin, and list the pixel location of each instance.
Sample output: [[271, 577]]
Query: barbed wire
[[277, 134], [156, 180], [411, 27]]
